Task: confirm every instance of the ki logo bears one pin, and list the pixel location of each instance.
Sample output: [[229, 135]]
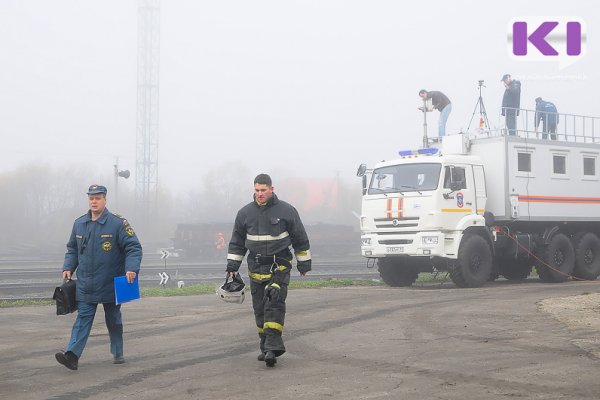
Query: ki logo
[[562, 39]]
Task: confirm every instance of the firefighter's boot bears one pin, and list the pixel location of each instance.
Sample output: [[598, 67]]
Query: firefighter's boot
[[270, 359]]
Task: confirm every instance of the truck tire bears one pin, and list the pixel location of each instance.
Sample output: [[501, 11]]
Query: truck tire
[[395, 274], [587, 255], [515, 270], [559, 255], [474, 264]]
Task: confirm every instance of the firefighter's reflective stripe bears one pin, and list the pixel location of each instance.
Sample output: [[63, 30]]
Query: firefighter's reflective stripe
[[273, 325], [260, 330], [265, 238], [234, 257], [303, 255], [281, 268], [260, 277]]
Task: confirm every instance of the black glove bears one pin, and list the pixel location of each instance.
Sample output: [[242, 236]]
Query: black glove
[[231, 268], [304, 266], [272, 292]]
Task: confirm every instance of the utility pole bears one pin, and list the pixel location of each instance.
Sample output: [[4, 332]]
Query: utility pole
[[123, 174], [146, 171]]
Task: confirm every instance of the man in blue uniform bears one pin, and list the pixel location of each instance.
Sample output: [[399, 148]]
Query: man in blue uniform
[[546, 112], [511, 102], [266, 228], [102, 246]]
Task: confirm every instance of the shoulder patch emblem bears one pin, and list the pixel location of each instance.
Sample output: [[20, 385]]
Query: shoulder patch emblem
[[129, 230], [107, 246]]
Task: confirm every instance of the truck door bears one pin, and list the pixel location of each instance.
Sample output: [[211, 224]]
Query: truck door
[[458, 194], [480, 192]]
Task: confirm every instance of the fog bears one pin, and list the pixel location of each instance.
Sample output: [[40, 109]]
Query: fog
[[303, 90]]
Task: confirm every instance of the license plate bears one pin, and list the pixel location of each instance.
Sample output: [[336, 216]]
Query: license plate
[[395, 249]]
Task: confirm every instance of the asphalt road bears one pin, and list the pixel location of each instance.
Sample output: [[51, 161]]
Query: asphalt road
[[38, 278], [426, 342]]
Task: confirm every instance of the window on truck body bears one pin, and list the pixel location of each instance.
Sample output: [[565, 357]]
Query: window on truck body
[[589, 166], [559, 164], [523, 162]]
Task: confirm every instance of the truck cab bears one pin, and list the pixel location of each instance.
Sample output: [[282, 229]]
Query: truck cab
[[416, 209]]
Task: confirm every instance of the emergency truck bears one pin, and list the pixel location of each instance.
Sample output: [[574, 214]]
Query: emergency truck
[[483, 206]]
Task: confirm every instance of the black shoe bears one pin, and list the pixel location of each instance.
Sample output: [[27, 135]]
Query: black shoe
[[68, 359], [270, 359], [261, 356], [118, 360]]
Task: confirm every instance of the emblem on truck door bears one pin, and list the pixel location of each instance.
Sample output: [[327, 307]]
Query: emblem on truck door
[[459, 199]]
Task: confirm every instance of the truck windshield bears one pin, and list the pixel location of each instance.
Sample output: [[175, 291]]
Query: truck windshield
[[405, 178]]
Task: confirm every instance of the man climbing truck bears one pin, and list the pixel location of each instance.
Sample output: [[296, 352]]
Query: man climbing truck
[[483, 207]]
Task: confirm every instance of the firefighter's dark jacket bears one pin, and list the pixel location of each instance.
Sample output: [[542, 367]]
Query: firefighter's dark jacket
[[269, 230], [99, 251]]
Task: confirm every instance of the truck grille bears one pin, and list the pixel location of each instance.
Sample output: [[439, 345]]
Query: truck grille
[[395, 241], [405, 222]]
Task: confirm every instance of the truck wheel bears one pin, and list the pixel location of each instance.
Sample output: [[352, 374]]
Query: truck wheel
[[587, 255], [395, 274], [560, 257], [474, 263], [515, 270]]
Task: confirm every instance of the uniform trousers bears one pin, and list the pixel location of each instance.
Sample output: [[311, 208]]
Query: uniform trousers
[[83, 326]]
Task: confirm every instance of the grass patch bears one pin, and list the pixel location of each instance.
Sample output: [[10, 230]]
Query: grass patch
[[334, 282], [209, 288], [433, 277], [190, 290], [25, 303]]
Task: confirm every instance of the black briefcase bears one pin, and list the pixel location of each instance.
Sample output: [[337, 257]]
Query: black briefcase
[[64, 295]]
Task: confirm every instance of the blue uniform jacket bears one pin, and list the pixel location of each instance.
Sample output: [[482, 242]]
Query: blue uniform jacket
[[100, 250], [547, 112]]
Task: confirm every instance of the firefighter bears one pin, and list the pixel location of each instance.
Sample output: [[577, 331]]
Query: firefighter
[[265, 228], [220, 242]]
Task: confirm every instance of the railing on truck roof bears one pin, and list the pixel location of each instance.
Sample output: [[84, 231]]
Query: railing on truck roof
[[570, 127]]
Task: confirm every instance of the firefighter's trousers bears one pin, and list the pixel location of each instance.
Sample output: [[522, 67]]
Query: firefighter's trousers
[[269, 313]]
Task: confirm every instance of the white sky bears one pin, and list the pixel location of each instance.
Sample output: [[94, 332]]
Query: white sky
[[313, 88]]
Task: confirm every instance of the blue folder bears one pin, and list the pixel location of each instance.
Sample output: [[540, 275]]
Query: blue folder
[[124, 291]]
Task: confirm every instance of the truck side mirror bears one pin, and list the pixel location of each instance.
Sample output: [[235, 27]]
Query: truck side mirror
[[362, 168], [364, 185]]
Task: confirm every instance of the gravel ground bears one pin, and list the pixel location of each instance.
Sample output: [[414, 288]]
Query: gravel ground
[[581, 315]]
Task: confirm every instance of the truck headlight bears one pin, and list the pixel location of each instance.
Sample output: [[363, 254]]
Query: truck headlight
[[363, 222], [430, 240], [366, 241]]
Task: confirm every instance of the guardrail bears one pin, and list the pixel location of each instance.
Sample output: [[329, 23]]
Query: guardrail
[[570, 127]]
